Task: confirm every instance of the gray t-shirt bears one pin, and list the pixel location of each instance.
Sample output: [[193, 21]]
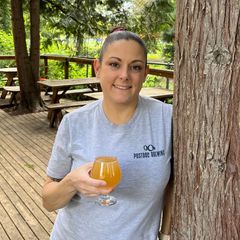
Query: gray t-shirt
[[143, 147]]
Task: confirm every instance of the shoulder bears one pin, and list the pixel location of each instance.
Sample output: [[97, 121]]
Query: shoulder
[[81, 114], [155, 105], [85, 109]]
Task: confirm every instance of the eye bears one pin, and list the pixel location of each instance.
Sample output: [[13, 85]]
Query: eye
[[114, 65], [136, 68]]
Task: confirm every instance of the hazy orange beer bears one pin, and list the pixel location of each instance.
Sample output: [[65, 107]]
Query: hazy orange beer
[[107, 168]]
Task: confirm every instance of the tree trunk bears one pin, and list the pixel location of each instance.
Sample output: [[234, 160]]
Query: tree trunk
[[207, 121], [28, 66], [79, 45], [35, 41]]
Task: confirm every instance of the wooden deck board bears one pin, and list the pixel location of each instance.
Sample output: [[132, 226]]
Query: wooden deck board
[[3, 234], [15, 215], [25, 147], [24, 211]]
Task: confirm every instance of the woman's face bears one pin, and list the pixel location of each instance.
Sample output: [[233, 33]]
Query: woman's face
[[122, 71]]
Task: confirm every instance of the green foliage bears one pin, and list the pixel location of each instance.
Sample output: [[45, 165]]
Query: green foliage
[[156, 81], [168, 52], [152, 20], [90, 48], [6, 48], [70, 22], [78, 19], [56, 70], [6, 39], [5, 21], [6, 43]]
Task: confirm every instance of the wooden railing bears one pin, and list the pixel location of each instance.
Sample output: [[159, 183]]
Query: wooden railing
[[167, 73], [65, 59]]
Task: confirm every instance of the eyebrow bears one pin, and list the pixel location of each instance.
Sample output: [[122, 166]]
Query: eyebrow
[[119, 59]]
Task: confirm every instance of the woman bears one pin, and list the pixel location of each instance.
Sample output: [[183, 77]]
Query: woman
[[135, 129]]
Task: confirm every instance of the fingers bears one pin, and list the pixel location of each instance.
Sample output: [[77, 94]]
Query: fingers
[[95, 182], [88, 166], [86, 169], [92, 191], [86, 185], [103, 192]]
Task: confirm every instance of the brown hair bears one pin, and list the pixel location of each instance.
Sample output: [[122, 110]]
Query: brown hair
[[117, 29], [119, 34]]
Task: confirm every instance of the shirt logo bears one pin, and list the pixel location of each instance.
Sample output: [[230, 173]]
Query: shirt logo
[[149, 147], [149, 152]]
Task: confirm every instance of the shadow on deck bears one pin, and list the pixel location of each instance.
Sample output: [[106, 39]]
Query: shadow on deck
[[25, 147]]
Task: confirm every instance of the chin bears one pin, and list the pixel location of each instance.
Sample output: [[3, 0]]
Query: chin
[[125, 101]]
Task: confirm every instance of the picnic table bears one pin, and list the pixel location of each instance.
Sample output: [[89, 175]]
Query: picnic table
[[157, 93], [15, 91], [59, 89], [10, 74]]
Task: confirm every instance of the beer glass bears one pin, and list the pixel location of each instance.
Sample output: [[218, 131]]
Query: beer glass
[[108, 169]]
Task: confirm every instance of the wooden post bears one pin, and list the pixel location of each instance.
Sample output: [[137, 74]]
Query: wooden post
[[66, 69], [45, 66]]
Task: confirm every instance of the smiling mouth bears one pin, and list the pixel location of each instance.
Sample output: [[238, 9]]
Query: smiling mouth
[[122, 87]]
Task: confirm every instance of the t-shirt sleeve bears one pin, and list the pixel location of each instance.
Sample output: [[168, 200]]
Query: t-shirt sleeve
[[60, 161]]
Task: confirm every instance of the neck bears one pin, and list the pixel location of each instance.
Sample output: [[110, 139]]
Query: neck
[[119, 113]]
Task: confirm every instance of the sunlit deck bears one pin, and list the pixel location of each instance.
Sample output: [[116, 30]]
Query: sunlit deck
[[25, 146]]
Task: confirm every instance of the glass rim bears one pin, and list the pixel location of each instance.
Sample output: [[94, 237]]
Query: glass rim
[[106, 158]]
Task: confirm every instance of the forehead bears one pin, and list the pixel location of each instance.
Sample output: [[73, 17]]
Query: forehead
[[125, 48]]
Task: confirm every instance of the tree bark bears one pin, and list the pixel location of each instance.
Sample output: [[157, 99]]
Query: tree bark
[[28, 66], [207, 121], [35, 40]]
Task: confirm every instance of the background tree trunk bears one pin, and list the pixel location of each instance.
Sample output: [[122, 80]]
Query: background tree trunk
[[28, 66], [207, 121], [35, 41]]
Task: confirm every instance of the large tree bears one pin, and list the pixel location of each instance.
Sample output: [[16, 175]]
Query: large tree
[[27, 61], [207, 121]]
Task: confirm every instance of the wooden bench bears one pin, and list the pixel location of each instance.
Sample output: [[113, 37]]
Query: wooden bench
[[5, 79], [72, 91], [69, 110], [14, 90], [56, 110]]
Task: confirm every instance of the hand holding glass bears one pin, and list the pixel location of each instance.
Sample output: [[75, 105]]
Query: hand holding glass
[[107, 168]]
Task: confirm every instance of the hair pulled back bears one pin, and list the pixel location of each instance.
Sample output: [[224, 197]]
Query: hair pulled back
[[121, 35]]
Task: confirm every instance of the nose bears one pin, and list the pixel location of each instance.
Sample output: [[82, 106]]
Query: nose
[[124, 73]]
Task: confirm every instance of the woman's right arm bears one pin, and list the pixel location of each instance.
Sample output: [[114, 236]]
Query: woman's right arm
[[57, 193]]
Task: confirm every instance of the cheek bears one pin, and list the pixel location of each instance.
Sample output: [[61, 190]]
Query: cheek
[[107, 75], [106, 79], [138, 79]]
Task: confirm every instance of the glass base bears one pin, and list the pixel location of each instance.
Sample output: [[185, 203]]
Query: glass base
[[106, 200]]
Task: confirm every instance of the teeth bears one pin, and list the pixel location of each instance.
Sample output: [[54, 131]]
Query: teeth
[[122, 87]]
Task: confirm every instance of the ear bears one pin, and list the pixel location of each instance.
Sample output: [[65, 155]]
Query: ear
[[96, 65]]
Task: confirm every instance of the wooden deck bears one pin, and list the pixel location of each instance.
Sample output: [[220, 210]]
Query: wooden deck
[[25, 147]]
